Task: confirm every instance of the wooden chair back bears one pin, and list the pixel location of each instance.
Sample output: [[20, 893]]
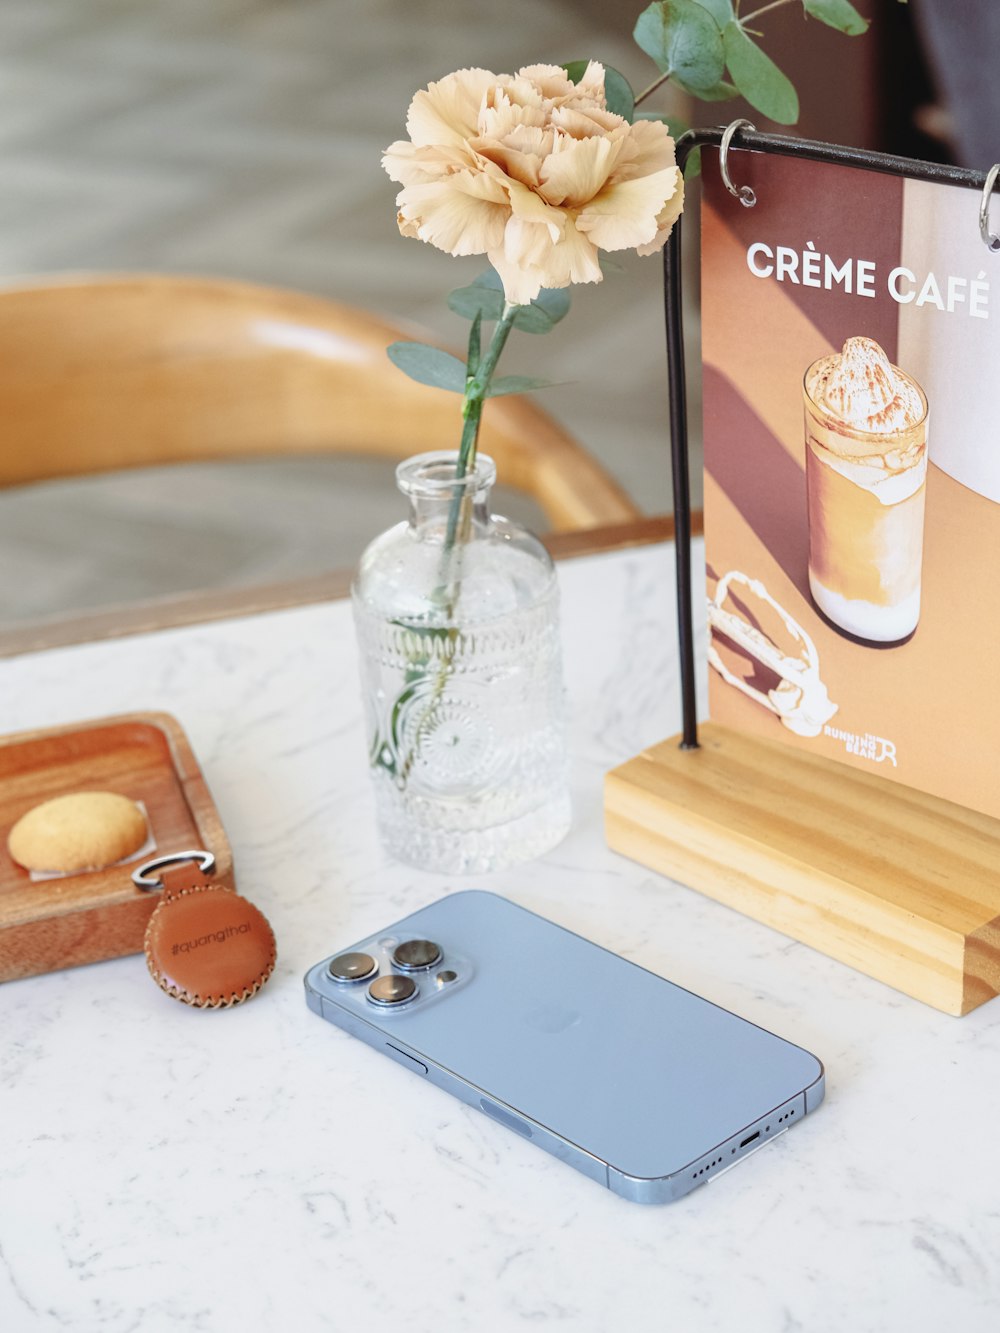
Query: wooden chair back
[[103, 373]]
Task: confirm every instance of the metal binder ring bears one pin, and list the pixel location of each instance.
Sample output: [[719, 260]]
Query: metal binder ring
[[743, 193], [142, 878], [990, 239]]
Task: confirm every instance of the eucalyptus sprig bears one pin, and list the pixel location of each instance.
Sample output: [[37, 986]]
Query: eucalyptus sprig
[[709, 49]]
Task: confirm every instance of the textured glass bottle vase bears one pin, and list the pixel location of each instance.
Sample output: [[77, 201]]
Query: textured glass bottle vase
[[462, 677]]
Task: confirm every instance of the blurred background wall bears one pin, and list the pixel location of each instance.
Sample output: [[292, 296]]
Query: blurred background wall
[[242, 138]]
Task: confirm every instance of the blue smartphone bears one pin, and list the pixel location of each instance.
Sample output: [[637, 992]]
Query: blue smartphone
[[644, 1087]]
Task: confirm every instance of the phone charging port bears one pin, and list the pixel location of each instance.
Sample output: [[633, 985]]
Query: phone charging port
[[750, 1139]]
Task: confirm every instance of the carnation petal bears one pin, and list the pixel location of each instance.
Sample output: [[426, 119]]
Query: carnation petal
[[577, 170], [409, 165], [520, 284], [625, 215], [447, 112], [526, 93], [668, 215], [591, 86], [552, 81], [463, 214], [530, 207], [517, 158], [526, 243], [580, 122], [648, 148], [505, 117], [574, 259]]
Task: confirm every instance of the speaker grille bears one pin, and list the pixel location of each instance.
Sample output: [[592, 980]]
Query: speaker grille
[[747, 1140]]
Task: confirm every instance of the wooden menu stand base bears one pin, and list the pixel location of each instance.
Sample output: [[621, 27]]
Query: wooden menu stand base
[[898, 884]]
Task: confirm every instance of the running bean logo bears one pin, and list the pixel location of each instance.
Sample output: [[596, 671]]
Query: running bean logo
[[868, 746], [213, 937]]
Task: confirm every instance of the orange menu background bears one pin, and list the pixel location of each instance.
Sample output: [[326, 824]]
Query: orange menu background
[[936, 697]]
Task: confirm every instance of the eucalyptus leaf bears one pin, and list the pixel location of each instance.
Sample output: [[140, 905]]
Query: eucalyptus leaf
[[692, 164], [484, 298], [428, 365], [618, 92], [555, 301], [684, 41], [722, 92], [758, 78], [516, 384], [532, 319], [721, 10], [475, 301], [839, 14]]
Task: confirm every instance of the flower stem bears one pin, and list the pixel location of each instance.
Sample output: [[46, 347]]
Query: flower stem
[[446, 594], [476, 390], [775, 4], [641, 97]]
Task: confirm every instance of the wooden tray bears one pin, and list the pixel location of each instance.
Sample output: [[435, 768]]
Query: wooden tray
[[54, 923], [898, 884]]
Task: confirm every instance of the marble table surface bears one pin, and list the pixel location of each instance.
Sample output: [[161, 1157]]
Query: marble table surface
[[167, 1168]]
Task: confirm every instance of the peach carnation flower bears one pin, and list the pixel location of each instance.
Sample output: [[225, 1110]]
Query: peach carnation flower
[[534, 172]]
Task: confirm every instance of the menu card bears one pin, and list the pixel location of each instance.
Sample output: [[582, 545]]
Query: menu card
[[851, 342]]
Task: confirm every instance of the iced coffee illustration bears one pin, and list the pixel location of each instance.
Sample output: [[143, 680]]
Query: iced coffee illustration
[[866, 469]]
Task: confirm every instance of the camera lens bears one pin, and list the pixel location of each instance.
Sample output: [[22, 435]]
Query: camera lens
[[416, 955], [352, 967], [392, 990]]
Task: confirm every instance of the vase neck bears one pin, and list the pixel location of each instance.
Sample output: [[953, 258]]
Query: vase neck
[[438, 497]]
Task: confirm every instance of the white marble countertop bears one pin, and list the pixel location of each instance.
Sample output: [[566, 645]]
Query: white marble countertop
[[167, 1168]]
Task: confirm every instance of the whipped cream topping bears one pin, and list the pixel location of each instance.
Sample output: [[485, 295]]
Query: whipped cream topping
[[860, 387]]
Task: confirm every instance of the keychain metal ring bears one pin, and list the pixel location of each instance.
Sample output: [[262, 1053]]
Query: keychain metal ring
[[990, 239], [743, 193], [206, 864]]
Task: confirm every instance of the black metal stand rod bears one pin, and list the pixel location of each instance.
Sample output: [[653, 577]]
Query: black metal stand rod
[[673, 295]]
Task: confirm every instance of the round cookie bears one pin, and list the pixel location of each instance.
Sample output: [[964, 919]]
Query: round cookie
[[85, 830]]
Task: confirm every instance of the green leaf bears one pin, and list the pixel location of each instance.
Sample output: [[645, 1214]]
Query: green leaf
[[428, 365], [477, 300], [684, 41], [532, 319], [839, 14], [485, 298], [555, 301], [617, 90], [721, 10], [516, 384], [758, 78], [692, 164], [722, 92]]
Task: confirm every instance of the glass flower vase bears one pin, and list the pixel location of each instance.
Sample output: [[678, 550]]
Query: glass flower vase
[[456, 612]]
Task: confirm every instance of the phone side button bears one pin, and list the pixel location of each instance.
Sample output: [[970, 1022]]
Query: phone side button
[[410, 1061], [507, 1118]]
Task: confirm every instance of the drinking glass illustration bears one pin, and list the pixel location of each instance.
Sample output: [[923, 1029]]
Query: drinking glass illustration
[[866, 472]]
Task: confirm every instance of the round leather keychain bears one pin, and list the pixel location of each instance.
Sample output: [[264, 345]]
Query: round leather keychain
[[205, 944]]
